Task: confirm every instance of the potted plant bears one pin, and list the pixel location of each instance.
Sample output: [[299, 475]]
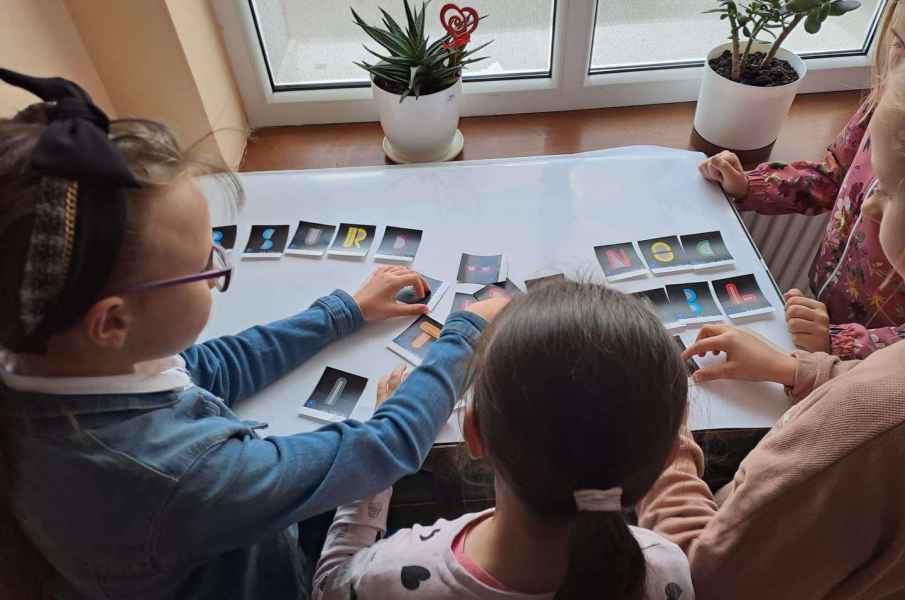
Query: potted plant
[[417, 84], [749, 84]]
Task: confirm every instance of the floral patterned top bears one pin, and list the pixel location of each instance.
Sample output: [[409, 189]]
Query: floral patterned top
[[851, 275]]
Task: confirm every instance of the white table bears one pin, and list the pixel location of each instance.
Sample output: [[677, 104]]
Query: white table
[[545, 213]]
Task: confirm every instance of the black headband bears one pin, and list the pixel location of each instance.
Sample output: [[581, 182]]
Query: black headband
[[75, 150]]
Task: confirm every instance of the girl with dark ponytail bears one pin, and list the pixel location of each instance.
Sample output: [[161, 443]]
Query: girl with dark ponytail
[[578, 394]]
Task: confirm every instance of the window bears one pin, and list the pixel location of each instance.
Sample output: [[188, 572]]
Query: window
[[293, 59], [311, 44], [658, 33]]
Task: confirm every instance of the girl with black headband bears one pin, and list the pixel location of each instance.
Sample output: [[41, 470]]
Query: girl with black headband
[[123, 468]]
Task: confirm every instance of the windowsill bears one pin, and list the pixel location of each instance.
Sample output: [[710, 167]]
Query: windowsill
[[813, 123]]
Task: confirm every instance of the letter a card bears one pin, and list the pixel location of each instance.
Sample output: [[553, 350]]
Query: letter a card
[[399, 245], [311, 239], [694, 302], [664, 255], [707, 250], [741, 297], [353, 240], [620, 261]]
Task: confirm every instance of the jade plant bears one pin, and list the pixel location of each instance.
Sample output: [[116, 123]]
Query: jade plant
[[412, 65], [775, 18]]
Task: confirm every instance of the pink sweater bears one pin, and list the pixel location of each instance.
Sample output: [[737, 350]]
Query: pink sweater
[[817, 510], [865, 315]]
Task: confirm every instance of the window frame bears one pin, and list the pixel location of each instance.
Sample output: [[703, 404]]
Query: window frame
[[570, 86]]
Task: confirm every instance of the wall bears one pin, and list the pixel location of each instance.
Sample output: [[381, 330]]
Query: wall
[[39, 37], [165, 61]]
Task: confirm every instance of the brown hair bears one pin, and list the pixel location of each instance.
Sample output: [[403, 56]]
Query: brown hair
[[577, 386], [156, 160]]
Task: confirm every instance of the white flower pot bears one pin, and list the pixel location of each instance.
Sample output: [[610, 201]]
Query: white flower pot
[[423, 129], [741, 117]]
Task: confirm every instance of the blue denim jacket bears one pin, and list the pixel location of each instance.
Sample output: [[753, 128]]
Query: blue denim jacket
[[171, 495]]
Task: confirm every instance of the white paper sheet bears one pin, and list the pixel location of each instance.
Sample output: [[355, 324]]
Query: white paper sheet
[[546, 214]]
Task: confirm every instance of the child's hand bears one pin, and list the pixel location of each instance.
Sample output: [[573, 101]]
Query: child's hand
[[377, 297], [748, 356], [388, 383], [488, 309], [808, 322], [726, 169]]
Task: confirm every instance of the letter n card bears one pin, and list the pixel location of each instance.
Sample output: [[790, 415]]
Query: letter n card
[[620, 261], [741, 297]]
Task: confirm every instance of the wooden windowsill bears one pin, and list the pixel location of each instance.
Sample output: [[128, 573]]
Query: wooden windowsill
[[813, 123]]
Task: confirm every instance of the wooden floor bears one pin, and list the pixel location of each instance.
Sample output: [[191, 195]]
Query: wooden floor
[[813, 122]]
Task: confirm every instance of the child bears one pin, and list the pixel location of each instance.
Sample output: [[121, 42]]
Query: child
[[124, 464], [854, 313], [578, 393], [816, 509]]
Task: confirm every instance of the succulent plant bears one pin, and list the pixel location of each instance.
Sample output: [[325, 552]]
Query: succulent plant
[[412, 65]]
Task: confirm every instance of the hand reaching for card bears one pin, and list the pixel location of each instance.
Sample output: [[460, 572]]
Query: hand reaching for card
[[808, 322], [388, 383], [377, 297], [748, 356], [488, 309], [726, 169]]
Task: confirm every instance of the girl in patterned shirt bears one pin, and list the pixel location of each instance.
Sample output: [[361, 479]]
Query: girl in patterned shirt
[[858, 307]]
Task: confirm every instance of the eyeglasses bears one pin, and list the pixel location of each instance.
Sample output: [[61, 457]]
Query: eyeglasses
[[219, 268]]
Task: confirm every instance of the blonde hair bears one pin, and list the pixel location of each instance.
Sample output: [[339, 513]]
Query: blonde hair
[[881, 69]]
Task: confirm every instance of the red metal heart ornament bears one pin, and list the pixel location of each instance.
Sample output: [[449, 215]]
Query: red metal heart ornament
[[459, 23]]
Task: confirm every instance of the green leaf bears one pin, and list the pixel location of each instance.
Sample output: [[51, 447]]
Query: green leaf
[[812, 23], [802, 5], [840, 7]]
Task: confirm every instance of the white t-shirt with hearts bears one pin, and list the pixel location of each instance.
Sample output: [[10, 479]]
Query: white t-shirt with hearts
[[421, 562]]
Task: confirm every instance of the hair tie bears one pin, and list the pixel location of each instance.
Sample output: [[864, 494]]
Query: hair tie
[[599, 500], [80, 214]]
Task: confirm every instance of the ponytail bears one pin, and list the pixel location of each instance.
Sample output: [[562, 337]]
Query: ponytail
[[605, 560]]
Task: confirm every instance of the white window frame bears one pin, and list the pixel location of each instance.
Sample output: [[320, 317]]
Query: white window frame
[[570, 86]]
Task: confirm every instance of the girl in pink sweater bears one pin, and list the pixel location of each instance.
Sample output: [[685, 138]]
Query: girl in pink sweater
[[817, 510], [854, 313], [578, 394]]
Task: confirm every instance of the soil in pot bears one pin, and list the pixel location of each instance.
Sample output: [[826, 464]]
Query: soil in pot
[[777, 72]]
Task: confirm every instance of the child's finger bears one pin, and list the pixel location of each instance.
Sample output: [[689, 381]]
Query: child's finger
[[805, 301], [404, 310], [714, 372], [711, 330], [411, 278], [715, 344], [801, 326], [799, 311]]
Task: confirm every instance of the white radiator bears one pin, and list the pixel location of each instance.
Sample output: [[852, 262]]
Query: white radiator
[[788, 243]]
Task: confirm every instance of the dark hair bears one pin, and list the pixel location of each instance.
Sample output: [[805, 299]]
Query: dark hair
[[577, 386], [156, 160]]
